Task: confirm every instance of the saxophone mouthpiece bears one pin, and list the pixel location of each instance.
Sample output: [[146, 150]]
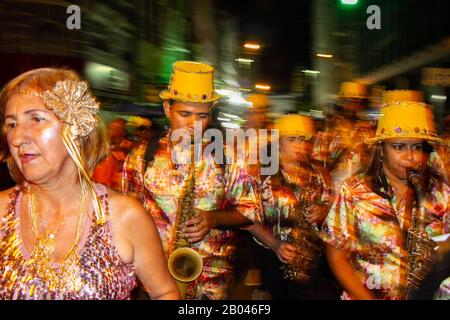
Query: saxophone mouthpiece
[[415, 178]]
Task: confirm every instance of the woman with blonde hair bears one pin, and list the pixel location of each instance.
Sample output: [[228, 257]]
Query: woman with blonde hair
[[61, 235]]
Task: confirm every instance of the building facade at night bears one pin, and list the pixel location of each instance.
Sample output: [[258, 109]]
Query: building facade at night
[[410, 51]]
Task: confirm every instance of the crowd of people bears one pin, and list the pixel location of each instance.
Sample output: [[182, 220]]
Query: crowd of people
[[358, 209]]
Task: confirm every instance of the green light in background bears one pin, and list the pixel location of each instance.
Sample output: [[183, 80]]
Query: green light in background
[[349, 2]]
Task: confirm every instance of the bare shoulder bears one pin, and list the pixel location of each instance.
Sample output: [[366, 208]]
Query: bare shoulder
[[4, 201], [125, 209], [128, 219]]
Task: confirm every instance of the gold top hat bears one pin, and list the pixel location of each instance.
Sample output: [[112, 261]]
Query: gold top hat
[[137, 121], [259, 101], [392, 96], [406, 119], [191, 82], [353, 90], [295, 125]]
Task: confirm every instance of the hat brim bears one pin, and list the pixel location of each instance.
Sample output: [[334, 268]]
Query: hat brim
[[166, 95], [308, 136], [384, 138], [343, 96]]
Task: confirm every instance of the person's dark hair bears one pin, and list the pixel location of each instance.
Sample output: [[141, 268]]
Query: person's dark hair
[[377, 180]]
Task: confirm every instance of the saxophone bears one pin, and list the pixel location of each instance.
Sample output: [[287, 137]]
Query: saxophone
[[419, 246], [304, 236], [185, 264]]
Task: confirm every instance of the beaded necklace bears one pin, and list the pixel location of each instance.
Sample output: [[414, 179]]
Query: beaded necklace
[[65, 274]]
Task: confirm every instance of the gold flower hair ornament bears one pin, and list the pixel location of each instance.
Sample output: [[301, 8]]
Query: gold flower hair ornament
[[72, 102]]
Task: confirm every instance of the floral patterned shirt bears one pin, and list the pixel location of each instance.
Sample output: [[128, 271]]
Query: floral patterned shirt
[[216, 188], [444, 290], [342, 151], [365, 224], [133, 173], [279, 200]]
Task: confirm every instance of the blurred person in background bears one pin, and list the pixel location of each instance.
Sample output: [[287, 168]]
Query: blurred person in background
[[61, 235], [142, 129], [294, 204], [146, 141], [256, 114], [369, 230], [340, 149], [109, 171], [247, 259], [118, 135]]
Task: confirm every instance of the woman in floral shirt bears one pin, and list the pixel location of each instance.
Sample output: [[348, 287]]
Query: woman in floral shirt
[[366, 227], [294, 202]]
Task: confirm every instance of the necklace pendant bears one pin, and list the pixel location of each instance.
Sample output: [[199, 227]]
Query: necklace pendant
[[46, 245]]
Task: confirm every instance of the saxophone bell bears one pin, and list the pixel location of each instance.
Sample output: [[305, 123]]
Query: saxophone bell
[[185, 265]]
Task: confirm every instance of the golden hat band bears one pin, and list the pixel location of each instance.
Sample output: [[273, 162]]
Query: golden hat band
[[406, 119]]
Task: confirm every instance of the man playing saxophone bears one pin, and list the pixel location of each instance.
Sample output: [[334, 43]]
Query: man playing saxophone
[[195, 202]]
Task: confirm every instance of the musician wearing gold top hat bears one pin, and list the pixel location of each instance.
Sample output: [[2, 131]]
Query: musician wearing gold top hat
[[197, 203], [255, 119], [341, 147], [295, 202], [379, 230]]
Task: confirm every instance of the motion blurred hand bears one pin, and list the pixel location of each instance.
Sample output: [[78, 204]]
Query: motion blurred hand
[[284, 251], [317, 213], [199, 226]]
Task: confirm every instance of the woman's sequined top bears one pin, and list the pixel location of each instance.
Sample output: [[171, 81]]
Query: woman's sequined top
[[100, 273]]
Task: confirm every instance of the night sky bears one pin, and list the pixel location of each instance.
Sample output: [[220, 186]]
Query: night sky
[[284, 27]]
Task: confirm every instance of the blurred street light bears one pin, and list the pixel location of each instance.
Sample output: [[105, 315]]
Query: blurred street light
[[262, 86], [229, 125], [349, 2], [252, 46], [311, 71], [244, 61], [323, 55], [439, 97]]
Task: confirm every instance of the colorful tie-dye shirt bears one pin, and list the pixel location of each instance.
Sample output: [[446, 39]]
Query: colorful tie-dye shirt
[[279, 200], [370, 228], [342, 151], [444, 290], [216, 188], [133, 174]]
